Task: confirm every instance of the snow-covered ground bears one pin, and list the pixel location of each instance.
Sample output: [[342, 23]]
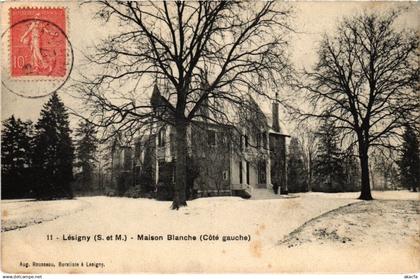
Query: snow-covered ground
[[363, 222], [266, 221], [22, 213]]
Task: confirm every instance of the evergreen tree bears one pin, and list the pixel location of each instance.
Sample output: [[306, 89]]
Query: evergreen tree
[[296, 169], [53, 152], [16, 162], [86, 146], [328, 168], [410, 160]]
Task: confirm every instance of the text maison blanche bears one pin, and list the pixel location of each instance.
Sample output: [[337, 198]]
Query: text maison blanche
[[170, 237]]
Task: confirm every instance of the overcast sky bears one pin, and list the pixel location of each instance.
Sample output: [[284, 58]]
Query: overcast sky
[[311, 20]]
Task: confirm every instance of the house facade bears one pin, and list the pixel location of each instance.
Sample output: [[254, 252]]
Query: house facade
[[222, 159]]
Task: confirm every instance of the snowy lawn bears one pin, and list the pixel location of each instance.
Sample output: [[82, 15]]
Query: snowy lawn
[[380, 222], [266, 221], [22, 213]]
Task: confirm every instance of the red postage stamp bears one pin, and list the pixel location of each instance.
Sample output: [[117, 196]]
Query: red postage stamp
[[38, 42]]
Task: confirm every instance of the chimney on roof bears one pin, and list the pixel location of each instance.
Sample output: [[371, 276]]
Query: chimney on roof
[[276, 123]]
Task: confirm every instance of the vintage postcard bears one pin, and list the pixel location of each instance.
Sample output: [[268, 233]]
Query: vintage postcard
[[210, 137]]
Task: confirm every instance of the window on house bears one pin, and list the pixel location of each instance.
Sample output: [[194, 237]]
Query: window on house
[[225, 175], [211, 137], [261, 140], [262, 176], [161, 165], [247, 173], [240, 172], [161, 137], [244, 142], [223, 139]]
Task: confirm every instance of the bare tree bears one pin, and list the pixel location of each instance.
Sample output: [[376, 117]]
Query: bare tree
[[238, 43], [365, 81], [309, 140]]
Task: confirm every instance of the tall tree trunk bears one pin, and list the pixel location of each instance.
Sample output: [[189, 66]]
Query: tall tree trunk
[[365, 193], [181, 165]]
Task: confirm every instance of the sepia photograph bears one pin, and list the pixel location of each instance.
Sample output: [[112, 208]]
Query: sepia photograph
[[210, 137]]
